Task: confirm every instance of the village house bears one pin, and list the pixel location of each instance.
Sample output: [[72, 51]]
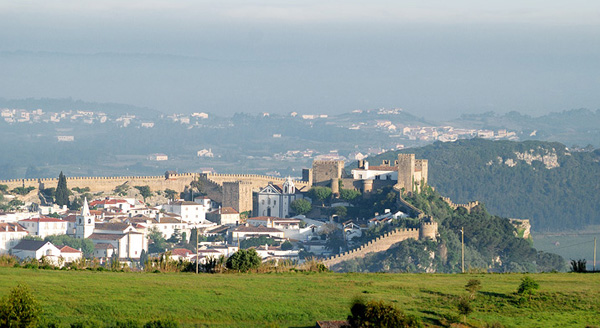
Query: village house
[[224, 216], [10, 235], [35, 249], [191, 212], [245, 232], [70, 254], [44, 226]]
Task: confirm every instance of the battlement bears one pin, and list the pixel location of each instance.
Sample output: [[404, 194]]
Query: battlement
[[468, 206]]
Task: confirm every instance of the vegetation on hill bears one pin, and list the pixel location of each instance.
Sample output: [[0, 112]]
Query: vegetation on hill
[[491, 244], [562, 197]]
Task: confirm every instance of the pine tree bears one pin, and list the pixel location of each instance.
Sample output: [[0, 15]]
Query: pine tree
[[62, 192]]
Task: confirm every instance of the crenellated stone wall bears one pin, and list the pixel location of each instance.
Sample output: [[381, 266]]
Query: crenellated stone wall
[[379, 244], [468, 206]]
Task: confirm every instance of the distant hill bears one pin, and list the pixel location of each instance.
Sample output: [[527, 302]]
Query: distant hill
[[66, 104], [542, 181], [572, 127]]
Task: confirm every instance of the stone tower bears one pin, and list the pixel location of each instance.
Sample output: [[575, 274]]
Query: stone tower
[[406, 171], [324, 171], [84, 222], [238, 194]]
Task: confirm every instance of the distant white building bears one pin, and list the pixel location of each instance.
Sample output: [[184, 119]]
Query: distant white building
[[44, 226], [205, 153], [383, 172], [191, 212], [158, 157], [10, 235], [65, 138]]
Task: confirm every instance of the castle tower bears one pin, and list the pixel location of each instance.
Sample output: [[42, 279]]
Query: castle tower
[[429, 230], [324, 171], [367, 187], [406, 171], [238, 194], [84, 222]]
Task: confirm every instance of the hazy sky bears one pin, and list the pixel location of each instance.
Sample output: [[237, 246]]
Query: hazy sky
[[432, 58]]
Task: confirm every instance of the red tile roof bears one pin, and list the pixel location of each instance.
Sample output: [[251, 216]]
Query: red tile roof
[[42, 219], [10, 227], [67, 249]]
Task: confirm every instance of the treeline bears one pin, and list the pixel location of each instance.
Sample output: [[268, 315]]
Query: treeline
[[491, 244], [565, 197]]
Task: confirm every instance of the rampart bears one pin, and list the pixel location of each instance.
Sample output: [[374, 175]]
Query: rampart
[[379, 244], [257, 181], [176, 182], [469, 206]]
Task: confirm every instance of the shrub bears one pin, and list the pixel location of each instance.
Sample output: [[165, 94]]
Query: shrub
[[19, 308], [473, 286], [164, 323], [243, 260], [286, 246], [379, 314], [464, 307], [527, 287]]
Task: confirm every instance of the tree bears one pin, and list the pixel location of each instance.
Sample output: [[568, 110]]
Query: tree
[[144, 191], [379, 314], [579, 265], [171, 194], [243, 260], [286, 246], [349, 195], [158, 244], [85, 245], [319, 193], [528, 287], [19, 308], [62, 192], [472, 287], [341, 211], [301, 206], [143, 258], [3, 188]]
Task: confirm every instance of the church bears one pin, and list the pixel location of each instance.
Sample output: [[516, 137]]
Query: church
[[110, 238], [274, 200]]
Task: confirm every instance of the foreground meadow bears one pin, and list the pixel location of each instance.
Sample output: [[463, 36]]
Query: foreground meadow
[[300, 299]]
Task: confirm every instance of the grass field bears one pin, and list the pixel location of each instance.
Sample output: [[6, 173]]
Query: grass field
[[299, 299]]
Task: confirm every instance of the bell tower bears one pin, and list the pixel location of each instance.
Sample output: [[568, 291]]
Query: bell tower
[[85, 222]]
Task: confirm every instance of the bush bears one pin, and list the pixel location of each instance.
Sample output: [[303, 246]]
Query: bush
[[379, 314], [243, 260], [164, 323], [19, 308], [528, 287], [286, 246]]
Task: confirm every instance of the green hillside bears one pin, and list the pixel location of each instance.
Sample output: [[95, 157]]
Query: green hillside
[[543, 181], [298, 299]]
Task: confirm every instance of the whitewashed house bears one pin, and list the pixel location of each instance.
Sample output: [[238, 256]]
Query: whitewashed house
[[35, 249], [44, 226], [10, 235], [191, 212]]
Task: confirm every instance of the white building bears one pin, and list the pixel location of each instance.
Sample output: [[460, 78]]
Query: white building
[[224, 216], [245, 232], [158, 157], [382, 172], [44, 226], [35, 249], [70, 254], [10, 235], [191, 212], [274, 200]]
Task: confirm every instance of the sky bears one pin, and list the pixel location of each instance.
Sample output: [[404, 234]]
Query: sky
[[435, 59]]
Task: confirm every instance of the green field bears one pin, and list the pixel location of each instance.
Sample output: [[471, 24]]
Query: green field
[[299, 299]]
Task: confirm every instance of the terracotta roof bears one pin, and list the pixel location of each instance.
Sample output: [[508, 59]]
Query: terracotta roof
[[181, 202], [382, 168], [70, 218], [67, 249], [169, 220], [255, 229], [42, 219], [107, 202], [274, 219], [229, 210], [181, 252], [103, 246], [106, 236], [112, 226], [220, 229], [10, 227]]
